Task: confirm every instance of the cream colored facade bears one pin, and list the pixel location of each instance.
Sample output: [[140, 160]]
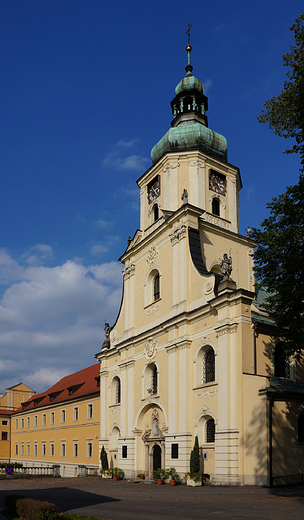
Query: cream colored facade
[[191, 350]]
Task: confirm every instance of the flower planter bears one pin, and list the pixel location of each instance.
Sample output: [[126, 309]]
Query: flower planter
[[159, 481], [115, 478], [192, 483], [172, 482]]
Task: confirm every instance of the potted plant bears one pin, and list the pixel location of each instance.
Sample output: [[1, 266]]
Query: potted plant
[[141, 476], [118, 474], [159, 475], [194, 477], [172, 475], [106, 473]]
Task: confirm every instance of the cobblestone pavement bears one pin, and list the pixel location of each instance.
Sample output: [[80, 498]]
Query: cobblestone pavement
[[124, 500]]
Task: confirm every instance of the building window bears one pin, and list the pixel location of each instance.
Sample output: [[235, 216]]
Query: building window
[[76, 413], [90, 411], [63, 449], [35, 420], [35, 450], [301, 428], [75, 450], [16, 424], [52, 449], [174, 451], [117, 391], [209, 366], [22, 450], [22, 423], [43, 449], [216, 207], [281, 362], [4, 422], [27, 422], [52, 418], [155, 212], [154, 385], [156, 287], [43, 419], [4, 436], [63, 416], [16, 449], [89, 450], [210, 430], [124, 452], [28, 450]]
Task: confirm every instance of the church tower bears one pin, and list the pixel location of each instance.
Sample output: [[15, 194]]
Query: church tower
[[172, 365]]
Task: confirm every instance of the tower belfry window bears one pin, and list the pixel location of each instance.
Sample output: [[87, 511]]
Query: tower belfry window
[[156, 291], [216, 207]]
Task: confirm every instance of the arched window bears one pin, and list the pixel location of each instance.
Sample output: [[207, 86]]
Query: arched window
[[208, 366], [117, 391], [301, 427], [210, 430], [156, 289], [154, 379], [281, 362], [155, 212], [215, 207]]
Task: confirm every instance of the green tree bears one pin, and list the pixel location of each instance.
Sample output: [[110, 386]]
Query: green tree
[[279, 263], [195, 457], [104, 458], [285, 112]]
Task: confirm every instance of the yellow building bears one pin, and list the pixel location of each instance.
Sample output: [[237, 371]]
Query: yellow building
[[60, 426], [192, 350], [9, 402]]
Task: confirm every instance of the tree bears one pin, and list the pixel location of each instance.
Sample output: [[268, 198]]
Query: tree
[[285, 112], [104, 458], [195, 458], [279, 254], [279, 263]]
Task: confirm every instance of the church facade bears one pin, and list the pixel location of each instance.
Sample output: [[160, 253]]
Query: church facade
[[192, 351]]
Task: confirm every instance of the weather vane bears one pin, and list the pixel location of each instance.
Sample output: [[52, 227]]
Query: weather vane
[[188, 32]]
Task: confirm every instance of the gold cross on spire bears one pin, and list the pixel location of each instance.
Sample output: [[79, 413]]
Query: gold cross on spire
[[188, 32]]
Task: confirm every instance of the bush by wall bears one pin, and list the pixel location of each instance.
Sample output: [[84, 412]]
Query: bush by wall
[[30, 509]]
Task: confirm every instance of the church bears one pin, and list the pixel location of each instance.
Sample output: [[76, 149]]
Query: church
[[192, 351]]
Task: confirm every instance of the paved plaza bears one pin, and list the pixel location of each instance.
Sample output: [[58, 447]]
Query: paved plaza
[[125, 500]]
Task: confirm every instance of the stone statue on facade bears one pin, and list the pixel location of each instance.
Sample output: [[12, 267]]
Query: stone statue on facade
[[226, 267], [184, 196], [106, 343]]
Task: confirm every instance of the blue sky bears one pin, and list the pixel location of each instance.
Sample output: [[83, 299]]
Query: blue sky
[[85, 92]]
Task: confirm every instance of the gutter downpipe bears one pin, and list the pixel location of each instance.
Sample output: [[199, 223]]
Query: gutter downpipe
[[270, 477]]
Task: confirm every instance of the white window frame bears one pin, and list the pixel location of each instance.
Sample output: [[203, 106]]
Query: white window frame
[[76, 414], [16, 424], [16, 448], [44, 419], [35, 421], [75, 449], [52, 449], [22, 423], [90, 411], [28, 422], [90, 449], [63, 416], [35, 449], [52, 418], [63, 449], [28, 449], [43, 452], [22, 449], [4, 422]]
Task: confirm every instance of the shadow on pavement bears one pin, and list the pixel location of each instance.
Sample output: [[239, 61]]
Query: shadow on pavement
[[65, 498]]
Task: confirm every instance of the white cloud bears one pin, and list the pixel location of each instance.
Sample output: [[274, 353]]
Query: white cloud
[[207, 85], [98, 250], [116, 157], [37, 254], [52, 319]]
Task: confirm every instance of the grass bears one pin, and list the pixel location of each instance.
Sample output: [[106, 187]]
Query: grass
[[61, 516]]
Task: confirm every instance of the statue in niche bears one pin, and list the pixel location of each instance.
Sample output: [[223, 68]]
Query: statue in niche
[[226, 267]]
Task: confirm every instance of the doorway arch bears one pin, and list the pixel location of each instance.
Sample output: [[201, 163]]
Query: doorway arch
[[156, 457]]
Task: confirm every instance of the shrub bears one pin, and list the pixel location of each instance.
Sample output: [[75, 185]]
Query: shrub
[[104, 458], [117, 472], [10, 504], [159, 473], [195, 457], [30, 509]]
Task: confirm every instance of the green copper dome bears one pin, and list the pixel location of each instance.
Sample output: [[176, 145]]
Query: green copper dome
[[189, 83], [189, 137], [190, 124]]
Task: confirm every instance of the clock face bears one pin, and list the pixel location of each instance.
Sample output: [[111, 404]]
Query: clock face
[[217, 182], [153, 190]]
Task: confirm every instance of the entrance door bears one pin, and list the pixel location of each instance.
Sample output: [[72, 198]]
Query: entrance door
[[156, 457]]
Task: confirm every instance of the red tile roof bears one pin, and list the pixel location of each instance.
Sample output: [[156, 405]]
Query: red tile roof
[[6, 412], [74, 386]]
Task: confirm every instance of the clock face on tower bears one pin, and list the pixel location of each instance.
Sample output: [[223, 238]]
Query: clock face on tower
[[153, 189], [217, 182]]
